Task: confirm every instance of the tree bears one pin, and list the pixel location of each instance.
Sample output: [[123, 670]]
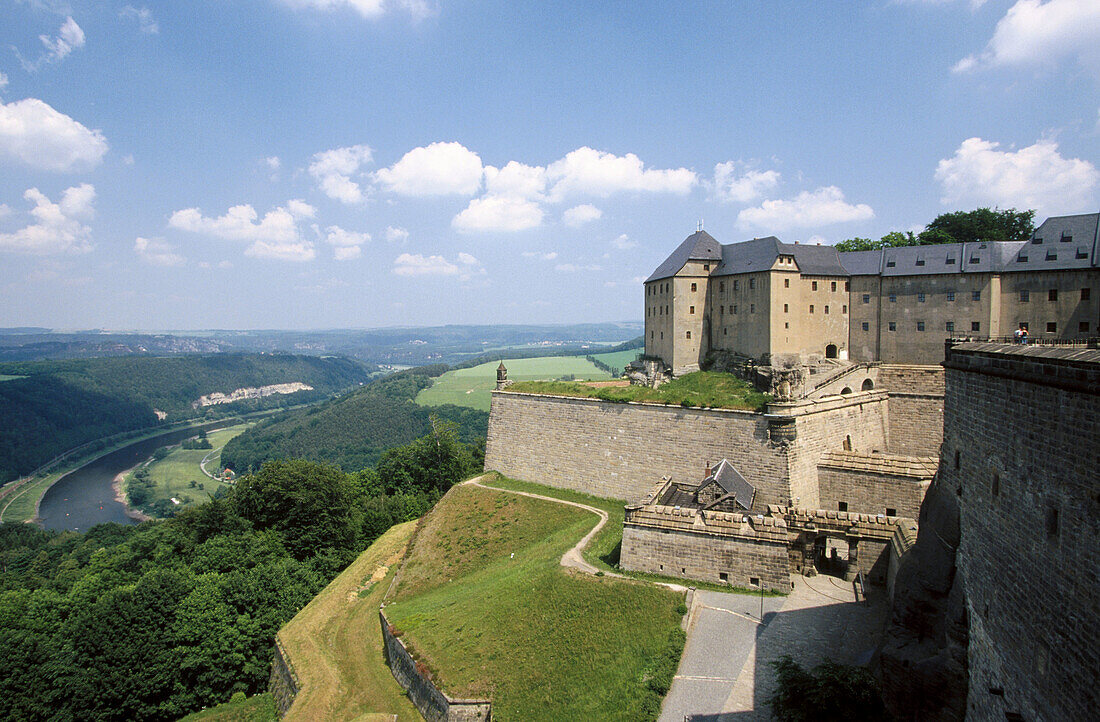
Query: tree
[[830, 692], [985, 224], [433, 463], [858, 244]]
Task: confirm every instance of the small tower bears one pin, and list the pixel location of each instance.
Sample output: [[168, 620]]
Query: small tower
[[502, 376]]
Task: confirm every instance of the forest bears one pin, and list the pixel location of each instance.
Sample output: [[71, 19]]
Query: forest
[[154, 621], [58, 405], [353, 430]]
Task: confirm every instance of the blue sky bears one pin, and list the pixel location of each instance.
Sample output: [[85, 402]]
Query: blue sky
[[360, 163]]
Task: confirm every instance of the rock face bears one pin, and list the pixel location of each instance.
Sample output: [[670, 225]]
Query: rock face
[[923, 657], [254, 392]]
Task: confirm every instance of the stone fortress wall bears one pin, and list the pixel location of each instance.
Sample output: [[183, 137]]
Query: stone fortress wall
[[1022, 449]]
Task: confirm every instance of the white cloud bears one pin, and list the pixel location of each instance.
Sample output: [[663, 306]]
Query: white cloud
[[143, 16], [498, 213], [821, 207], [368, 8], [58, 47], [300, 209], [463, 267], [436, 169], [577, 216], [586, 171], [346, 244], [58, 227], [624, 243], [516, 179], [273, 162], [396, 235], [157, 251], [1033, 177], [574, 268], [333, 170], [541, 256], [735, 182], [275, 236], [1033, 32], [39, 136]]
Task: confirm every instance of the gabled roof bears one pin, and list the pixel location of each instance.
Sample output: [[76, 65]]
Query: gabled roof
[[815, 260], [861, 263], [732, 483], [699, 246], [759, 254]]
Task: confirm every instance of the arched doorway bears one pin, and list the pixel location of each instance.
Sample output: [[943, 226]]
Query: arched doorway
[[830, 351], [868, 384]]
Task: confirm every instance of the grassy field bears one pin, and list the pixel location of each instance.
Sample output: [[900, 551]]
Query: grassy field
[[618, 359], [483, 602], [470, 387], [335, 643], [707, 389], [259, 708], [174, 474]]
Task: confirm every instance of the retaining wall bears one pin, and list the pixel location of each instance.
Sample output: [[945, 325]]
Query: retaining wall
[[283, 684], [916, 408]]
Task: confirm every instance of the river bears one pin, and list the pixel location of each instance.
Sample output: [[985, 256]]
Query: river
[[85, 497]]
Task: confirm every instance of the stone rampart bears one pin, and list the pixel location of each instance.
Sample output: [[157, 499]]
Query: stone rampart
[[283, 684], [916, 408], [905, 536], [432, 703], [874, 483]]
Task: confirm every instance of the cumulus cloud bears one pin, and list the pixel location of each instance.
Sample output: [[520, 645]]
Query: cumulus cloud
[[275, 236], [550, 256], [368, 8], [396, 235], [1033, 32], [586, 171], [334, 169], [434, 170], [39, 136], [464, 267], [143, 16], [58, 227], [300, 209], [346, 244], [516, 179], [577, 216], [498, 213], [821, 207], [1033, 177], [157, 252], [58, 47], [623, 243], [735, 182]]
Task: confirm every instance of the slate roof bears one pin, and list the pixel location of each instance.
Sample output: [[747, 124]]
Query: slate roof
[[815, 260], [759, 254], [861, 263], [698, 246], [732, 483]]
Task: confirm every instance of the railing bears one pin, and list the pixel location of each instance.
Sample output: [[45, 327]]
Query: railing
[[1083, 342]]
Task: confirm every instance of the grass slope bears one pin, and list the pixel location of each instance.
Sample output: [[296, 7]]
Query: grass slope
[[471, 387], [259, 708], [707, 389], [335, 642], [483, 601]]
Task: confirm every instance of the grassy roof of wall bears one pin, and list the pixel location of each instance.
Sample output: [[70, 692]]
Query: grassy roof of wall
[[705, 389]]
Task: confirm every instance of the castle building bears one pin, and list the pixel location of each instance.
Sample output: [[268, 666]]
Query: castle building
[[763, 298]]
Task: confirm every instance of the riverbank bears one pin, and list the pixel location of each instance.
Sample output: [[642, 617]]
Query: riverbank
[[119, 488]]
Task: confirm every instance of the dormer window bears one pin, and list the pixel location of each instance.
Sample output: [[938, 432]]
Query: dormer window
[[1082, 252], [950, 261], [920, 261], [1022, 258], [1067, 237], [1037, 240], [890, 264], [1052, 255], [975, 259]]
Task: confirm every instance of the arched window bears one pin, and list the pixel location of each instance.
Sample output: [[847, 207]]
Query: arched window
[[830, 351], [868, 384], [845, 391]]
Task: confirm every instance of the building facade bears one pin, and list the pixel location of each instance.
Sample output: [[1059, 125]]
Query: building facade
[[763, 298]]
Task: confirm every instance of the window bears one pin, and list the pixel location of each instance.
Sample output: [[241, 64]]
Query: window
[[724, 330], [1082, 253], [893, 298], [662, 335], [786, 283], [735, 308], [995, 487], [832, 286], [976, 295], [1052, 255], [721, 310], [721, 287], [866, 298], [811, 308], [752, 308], [1022, 258], [950, 295], [736, 285], [706, 266], [786, 308], [975, 326], [1052, 327], [920, 261], [1025, 296], [1083, 327], [691, 310], [893, 326], [950, 261], [1067, 237], [920, 325], [813, 286], [920, 298], [754, 581], [752, 283], [1052, 523], [722, 577], [866, 326], [689, 334], [1052, 294], [842, 506], [891, 512], [844, 308], [890, 264], [1086, 293], [949, 326], [975, 259], [847, 286], [1037, 241], [826, 310], [693, 288], [787, 324], [650, 335], [958, 456]]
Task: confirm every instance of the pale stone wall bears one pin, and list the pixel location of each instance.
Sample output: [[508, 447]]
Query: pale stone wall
[[864, 306], [658, 320], [1068, 310], [866, 493], [740, 310], [906, 344], [823, 314], [1021, 431], [685, 554]]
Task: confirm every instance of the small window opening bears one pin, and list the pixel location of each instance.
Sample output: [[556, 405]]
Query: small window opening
[[693, 287], [1052, 523], [754, 581], [891, 512], [958, 457], [995, 487], [842, 506], [723, 577], [1052, 294]]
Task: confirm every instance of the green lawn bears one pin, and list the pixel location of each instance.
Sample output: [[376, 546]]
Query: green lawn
[[618, 359], [174, 475], [484, 603], [471, 387], [707, 389]]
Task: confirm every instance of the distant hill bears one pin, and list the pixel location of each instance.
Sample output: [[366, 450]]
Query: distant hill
[[61, 404], [353, 430]]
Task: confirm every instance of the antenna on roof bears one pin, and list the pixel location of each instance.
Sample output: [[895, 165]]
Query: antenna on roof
[[699, 225]]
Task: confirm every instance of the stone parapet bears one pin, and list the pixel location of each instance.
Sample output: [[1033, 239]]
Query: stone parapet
[[283, 683], [915, 467]]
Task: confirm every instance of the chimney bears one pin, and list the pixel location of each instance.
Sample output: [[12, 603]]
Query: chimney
[[707, 474]]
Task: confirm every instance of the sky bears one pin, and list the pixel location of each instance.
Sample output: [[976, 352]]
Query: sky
[[315, 164]]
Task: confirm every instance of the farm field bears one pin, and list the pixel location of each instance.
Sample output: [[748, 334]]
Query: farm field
[[483, 602], [618, 359], [471, 387], [179, 475]]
